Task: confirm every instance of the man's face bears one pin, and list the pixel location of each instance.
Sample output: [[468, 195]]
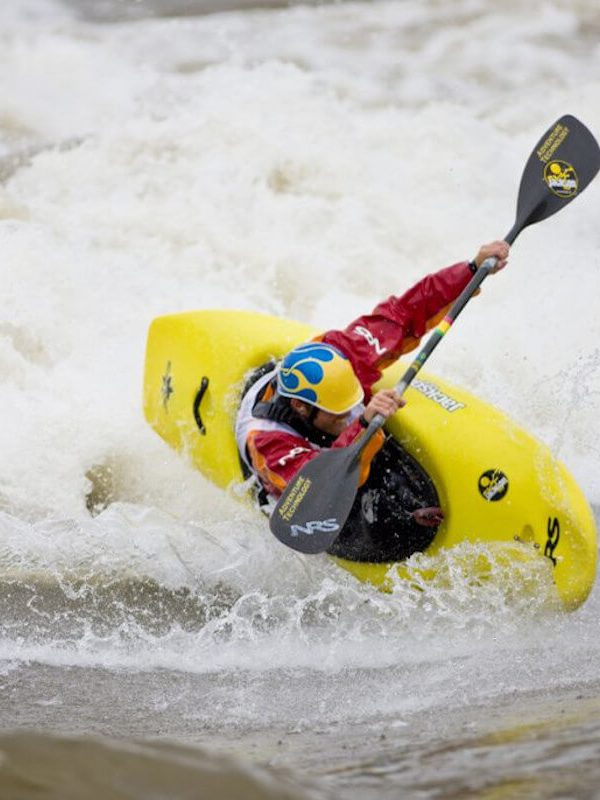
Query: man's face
[[324, 421], [330, 423]]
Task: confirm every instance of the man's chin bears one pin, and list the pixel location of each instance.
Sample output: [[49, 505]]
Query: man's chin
[[340, 427]]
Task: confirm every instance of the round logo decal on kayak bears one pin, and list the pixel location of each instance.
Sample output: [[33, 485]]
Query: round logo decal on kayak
[[561, 178], [493, 485]]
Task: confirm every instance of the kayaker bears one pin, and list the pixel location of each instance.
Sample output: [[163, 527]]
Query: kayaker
[[320, 395]]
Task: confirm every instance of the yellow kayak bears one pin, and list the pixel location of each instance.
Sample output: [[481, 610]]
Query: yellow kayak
[[496, 483]]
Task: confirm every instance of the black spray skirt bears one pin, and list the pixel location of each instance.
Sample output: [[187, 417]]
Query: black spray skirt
[[380, 527]]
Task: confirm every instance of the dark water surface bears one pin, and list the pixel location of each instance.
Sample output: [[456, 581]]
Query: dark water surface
[[101, 733]]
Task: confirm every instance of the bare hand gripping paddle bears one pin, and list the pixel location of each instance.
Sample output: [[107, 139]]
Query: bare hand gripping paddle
[[316, 502]]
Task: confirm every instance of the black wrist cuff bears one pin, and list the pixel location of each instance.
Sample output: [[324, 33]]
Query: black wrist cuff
[[473, 267], [363, 421]]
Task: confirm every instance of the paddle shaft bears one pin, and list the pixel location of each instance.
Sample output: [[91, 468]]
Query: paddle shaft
[[435, 338]]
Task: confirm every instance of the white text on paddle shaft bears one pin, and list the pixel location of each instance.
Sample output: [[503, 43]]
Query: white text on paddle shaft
[[292, 454], [316, 526], [372, 340]]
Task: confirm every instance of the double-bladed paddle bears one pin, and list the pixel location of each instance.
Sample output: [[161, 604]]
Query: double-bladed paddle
[[316, 502]]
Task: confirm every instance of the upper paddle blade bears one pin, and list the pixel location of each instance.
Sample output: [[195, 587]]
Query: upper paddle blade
[[564, 161], [315, 504]]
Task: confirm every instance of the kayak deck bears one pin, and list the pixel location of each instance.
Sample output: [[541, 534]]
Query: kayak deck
[[496, 483]]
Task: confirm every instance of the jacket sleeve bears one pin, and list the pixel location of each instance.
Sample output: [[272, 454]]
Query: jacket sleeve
[[374, 341], [277, 455]]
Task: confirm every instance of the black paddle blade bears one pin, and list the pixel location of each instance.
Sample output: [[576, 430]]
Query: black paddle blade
[[315, 504], [563, 163]]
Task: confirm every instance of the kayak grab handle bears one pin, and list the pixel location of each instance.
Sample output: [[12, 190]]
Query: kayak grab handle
[[197, 400]]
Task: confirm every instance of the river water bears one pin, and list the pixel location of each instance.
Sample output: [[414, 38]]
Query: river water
[[306, 161]]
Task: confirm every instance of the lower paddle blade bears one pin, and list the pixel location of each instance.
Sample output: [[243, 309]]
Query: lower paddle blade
[[563, 163], [315, 504]]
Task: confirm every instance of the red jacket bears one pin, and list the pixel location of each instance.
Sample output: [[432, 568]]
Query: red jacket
[[372, 342]]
